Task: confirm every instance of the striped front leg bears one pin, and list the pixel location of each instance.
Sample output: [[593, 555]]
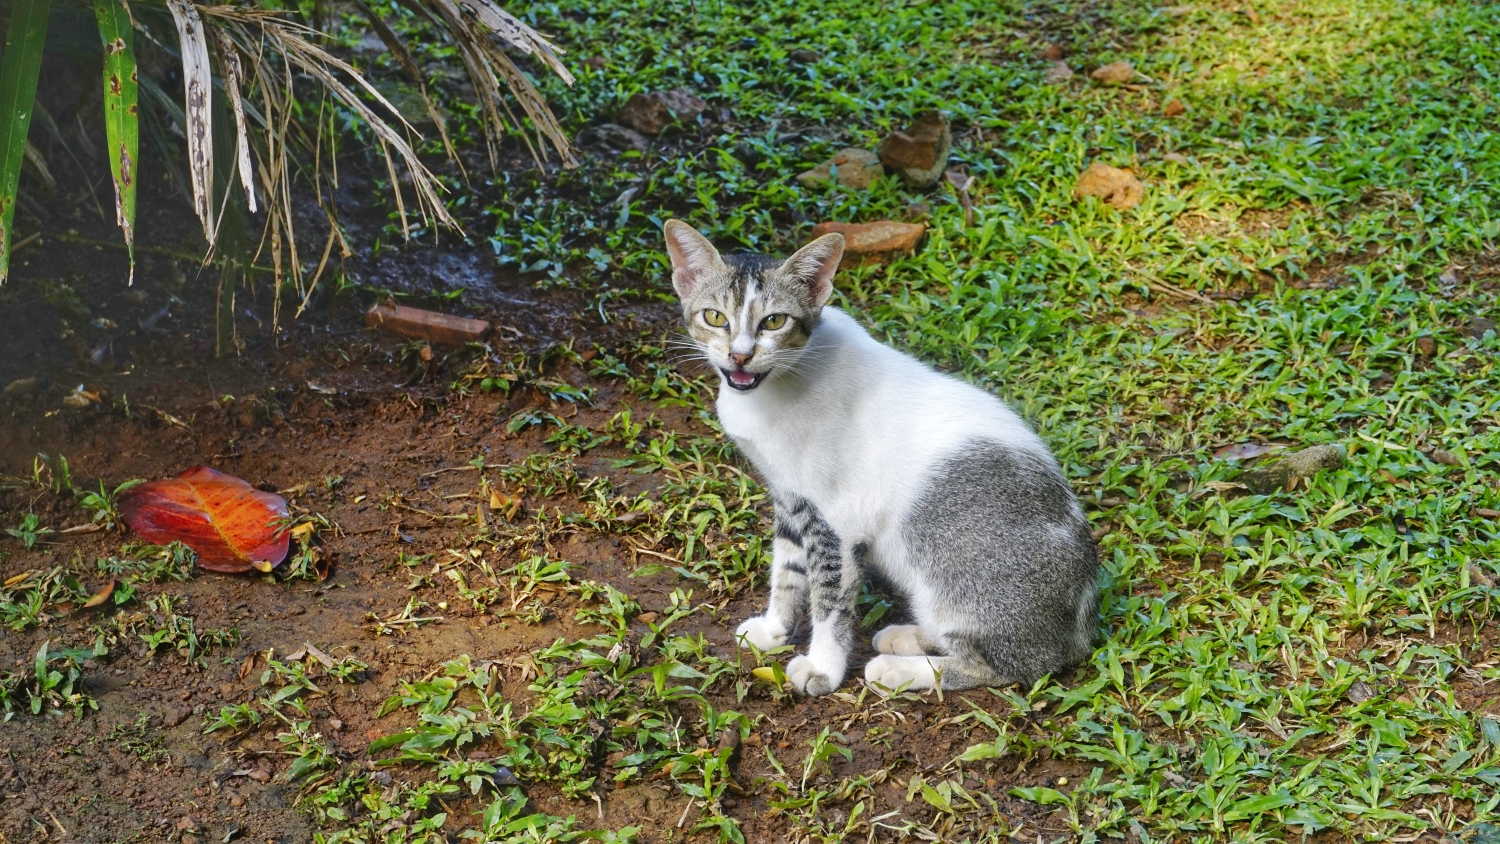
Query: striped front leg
[[789, 585]]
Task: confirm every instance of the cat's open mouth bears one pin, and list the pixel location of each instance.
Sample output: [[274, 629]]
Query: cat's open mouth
[[742, 380]]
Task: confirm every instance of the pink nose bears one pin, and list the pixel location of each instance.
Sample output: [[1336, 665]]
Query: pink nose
[[741, 359]]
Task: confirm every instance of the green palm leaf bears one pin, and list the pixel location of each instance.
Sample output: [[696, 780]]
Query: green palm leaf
[[18, 72], [121, 113]]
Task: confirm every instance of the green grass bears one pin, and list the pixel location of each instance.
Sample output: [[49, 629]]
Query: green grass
[[1270, 665]]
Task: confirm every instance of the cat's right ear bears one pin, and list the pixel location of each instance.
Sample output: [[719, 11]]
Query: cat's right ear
[[815, 264], [693, 257]]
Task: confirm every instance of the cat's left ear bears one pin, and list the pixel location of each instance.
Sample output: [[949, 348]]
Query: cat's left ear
[[815, 264], [693, 257]]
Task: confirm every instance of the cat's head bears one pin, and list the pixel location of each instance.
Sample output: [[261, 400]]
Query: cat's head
[[750, 315]]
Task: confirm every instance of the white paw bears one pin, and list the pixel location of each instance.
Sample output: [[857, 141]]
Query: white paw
[[762, 632], [809, 678], [893, 672], [901, 639]]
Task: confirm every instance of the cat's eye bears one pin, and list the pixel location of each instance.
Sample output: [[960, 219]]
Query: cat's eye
[[714, 318], [773, 322]]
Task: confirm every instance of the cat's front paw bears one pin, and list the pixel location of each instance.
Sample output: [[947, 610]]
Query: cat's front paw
[[762, 632], [807, 678], [893, 672], [903, 639]]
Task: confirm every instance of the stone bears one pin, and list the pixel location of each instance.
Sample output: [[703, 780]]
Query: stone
[[920, 153], [1173, 108], [874, 243], [857, 169], [1292, 469], [1115, 73], [1058, 73], [1445, 457], [613, 138], [22, 387], [801, 56], [650, 112], [1051, 53], [1426, 346], [1479, 326], [596, 62], [1120, 188]]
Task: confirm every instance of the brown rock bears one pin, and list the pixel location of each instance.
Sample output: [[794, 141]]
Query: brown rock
[[1058, 73], [1051, 53], [874, 243], [176, 715], [920, 153], [652, 111], [1290, 470], [443, 329], [804, 56], [1426, 346], [857, 169], [1174, 107], [1115, 73], [1119, 188], [597, 62]]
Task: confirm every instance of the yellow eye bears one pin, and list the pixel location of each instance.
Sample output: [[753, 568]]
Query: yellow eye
[[714, 318], [773, 322]]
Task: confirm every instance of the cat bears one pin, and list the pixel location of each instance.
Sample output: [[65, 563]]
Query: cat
[[879, 466]]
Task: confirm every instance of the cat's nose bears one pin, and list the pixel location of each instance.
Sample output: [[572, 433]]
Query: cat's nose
[[741, 359]]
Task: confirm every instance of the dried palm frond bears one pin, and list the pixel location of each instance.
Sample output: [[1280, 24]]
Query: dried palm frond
[[257, 57]]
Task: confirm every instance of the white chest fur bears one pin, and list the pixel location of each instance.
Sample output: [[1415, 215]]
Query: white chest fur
[[857, 426]]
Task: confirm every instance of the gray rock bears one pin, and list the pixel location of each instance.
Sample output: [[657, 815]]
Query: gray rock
[[1290, 470], [613, 138], [651, 112], [1479, 326]]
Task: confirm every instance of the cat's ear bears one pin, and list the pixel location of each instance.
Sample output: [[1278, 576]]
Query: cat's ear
[[815, 264], [693, 257]]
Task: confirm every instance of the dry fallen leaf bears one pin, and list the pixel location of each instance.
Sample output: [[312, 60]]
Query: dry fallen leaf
[[101, 596], [1246, 451], [502, 503], [765, 672], [1173, 108], [1114, 73], [1120, 188]]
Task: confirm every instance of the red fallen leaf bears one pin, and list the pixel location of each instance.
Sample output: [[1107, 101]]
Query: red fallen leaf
[[230, 524]]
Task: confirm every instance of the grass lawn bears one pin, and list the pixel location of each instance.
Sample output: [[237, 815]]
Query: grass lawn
[[1312, 264]]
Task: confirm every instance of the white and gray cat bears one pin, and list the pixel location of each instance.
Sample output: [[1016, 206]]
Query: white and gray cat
[[879, 466]]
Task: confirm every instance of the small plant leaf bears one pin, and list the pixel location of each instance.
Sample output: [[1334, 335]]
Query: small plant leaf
[[121, 113], [18, 72], [232, 525]]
